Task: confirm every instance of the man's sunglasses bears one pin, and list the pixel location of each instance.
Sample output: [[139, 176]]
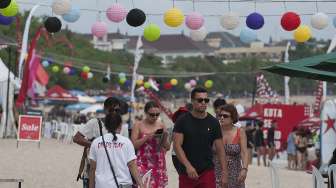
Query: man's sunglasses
[[200, 100], [115, 110], [154, 114], [223, 116]]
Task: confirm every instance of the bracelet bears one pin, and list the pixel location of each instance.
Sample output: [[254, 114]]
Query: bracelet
[[244, 169]]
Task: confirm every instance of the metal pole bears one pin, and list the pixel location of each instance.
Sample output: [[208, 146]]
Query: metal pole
[[7, 95]]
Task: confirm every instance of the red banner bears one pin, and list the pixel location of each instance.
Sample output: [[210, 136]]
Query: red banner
[[286, 117], [29, 128]]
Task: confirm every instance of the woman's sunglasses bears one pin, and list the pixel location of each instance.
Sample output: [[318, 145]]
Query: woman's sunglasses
[[223, 116]]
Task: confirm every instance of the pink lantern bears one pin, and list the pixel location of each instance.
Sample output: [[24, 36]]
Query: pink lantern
[[99, 29], [194, 21], [116, 13], [193, 83], [66, 70]]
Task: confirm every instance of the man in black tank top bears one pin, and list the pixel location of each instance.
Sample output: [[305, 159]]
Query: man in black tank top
[[194, 135]]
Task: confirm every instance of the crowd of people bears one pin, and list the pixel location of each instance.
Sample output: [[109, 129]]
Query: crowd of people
[[208, 152]]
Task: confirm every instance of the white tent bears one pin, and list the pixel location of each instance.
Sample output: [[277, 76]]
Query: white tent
[[86, 99], [93, 108], [10, 128]]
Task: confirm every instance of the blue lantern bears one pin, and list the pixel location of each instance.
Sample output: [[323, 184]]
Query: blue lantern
[[334, 21], [72, 72], [73, 15], [255, 21], [248, 35], [45, 63], [4, 20]]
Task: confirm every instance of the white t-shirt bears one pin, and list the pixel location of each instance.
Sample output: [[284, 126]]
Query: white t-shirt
[[91, 129], [121, 152]]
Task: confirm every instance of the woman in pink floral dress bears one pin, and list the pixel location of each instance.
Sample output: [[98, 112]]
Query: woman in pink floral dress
[[150, 139]]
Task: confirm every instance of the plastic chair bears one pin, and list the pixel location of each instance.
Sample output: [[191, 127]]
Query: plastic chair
[[274, 175], [317, 178], [146, 178], [332, 174]]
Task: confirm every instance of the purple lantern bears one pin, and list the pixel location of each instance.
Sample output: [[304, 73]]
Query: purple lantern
[[4, 20], [194, 21], [99, 29], [255, 21]]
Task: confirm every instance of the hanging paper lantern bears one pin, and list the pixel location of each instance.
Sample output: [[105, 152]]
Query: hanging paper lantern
[[4, 3], [208, 84], [55, 69], [4, 20], [73, 15], [194, 21], [255, 21], [90, 75], [248, 35], [290, 21], [139, 82], [122, 75], [193, 83], [334, 21], [106, 79], [198, 35], [122, 80], [140, 77], [230, 20], [173, 17], [60, 7], [135, 17], [116, 13], [173, 82], [66, 70], [99, 29], [187, 86], [167, 86], [86, 69], [53, 24], [11, 10], [319, 20], [72, 72], [84, 75], [147, 85], [45, 63], [302, 34], [152, 32]]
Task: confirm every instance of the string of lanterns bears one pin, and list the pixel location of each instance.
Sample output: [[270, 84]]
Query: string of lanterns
[[174, 17]]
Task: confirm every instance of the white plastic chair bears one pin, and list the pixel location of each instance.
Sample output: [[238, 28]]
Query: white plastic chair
[[146, 178], [274, 175], [318, 181], [332, 169]]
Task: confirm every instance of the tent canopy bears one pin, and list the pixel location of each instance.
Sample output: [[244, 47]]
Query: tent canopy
[[57, 93], [319, 67]]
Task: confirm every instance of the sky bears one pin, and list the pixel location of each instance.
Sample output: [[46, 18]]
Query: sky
[[213, 10]]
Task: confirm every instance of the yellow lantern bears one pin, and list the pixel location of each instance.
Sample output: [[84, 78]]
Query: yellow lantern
[[139, 82], [174, 17], [208, 84], [302, 33], [173, 82], [11, 10]]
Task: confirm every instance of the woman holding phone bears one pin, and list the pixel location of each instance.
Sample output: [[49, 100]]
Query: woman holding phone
[[150, 139]]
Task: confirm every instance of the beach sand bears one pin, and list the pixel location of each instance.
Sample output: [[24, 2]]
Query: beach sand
[[55, 165]]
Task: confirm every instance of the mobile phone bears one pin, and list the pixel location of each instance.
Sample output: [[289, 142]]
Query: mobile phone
[[159, 131]]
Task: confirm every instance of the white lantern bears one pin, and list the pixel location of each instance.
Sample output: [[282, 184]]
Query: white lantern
[[60, 7], [90, 75], [187, 86], [319, 20], [229, 20], [198, 35]]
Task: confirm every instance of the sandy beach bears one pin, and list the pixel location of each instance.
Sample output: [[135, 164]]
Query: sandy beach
[[55, 165]]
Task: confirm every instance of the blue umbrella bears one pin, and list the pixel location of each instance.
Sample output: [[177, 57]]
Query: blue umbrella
[[77, 107]]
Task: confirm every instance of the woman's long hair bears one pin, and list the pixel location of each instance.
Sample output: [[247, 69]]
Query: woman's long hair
[[112, 123]]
